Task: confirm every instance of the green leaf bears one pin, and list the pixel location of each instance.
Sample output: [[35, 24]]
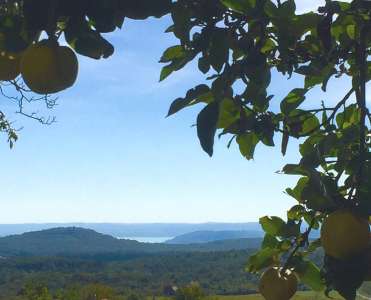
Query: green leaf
[[302, 123], [272, 225], [275, 226], [268, 46], [287, 8], [295, 169], [241, 6], [181, 18], [177, 105], [172, 53], [87, 41], [318, 74], [192, 97], [142, 9], [291, 229], [176, 64], [293, 100], [315, 195], [204, 64], [229, 113], [349, 117], [105, 15], [296, 212], [262, 259], [207, 121], [310, 123], [166, 71], [266, 128], [284, 143], [269, 241], [324, 32], [297, 191], [351, 31], [247, 143], [310, 275], [219, 49], [270, 8]]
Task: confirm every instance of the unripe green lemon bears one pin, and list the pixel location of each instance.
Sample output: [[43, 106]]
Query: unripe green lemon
[[344, 234], [276, 286], [48, 68]]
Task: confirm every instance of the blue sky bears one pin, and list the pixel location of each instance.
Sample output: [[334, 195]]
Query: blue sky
[[112, 156]]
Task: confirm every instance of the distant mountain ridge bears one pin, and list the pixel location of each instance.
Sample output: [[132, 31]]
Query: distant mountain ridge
[[132, 229], [81, 241], [211, 236]]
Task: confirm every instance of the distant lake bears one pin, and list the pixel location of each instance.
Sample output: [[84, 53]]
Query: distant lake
[[147, 239]]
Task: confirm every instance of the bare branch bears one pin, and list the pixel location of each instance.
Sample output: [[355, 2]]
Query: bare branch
[[24, 95]]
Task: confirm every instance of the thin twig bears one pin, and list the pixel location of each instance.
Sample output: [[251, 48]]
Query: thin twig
[[326, 122], [25, 95], [304, 239]]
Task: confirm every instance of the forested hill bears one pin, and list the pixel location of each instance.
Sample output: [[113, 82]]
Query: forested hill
[[132, 229], [62, 240], [78, 241], [211, 235]]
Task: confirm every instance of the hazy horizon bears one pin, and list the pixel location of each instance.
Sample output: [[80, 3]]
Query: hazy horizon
[[128, 223], [134, 230]]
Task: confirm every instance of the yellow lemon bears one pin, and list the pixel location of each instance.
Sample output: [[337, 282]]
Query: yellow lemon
[[344, 234], [48, 68], [276, 286], [9, 66]]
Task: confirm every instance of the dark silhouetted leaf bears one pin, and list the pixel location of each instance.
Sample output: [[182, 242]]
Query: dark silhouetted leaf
[[284, 143], [207, 121], [87, 41], [193, 96]]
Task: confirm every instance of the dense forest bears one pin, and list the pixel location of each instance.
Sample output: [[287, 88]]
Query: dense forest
[[217, 272], [51, 262], [73, 263]]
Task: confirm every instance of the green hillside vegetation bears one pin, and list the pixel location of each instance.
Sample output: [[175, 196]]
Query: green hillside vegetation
[[57, 240], [100, 291], [217, 272], [80, 241], [134, 229], [210, 236], [127, 269], [61, 257], [308, 295]]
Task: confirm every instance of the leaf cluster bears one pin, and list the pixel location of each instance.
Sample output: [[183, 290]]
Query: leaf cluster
[[239, 44], [83, 22]]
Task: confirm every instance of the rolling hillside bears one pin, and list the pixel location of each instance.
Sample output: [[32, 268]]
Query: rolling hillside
[[210, 236], [79, 241], [132, 229]]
